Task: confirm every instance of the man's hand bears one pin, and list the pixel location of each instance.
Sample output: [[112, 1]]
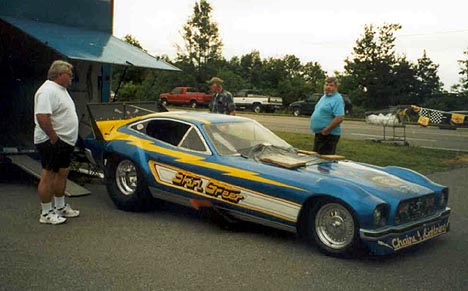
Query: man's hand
[[54, 139], [46, 125], [325, 131], [334, 123]]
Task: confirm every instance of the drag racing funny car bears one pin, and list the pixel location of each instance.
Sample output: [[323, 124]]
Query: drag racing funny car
[[242, 170]]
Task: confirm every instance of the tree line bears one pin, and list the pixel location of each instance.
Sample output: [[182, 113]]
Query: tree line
[[374, 76]]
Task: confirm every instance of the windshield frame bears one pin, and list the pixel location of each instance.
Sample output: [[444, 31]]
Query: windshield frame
[[233, 137]]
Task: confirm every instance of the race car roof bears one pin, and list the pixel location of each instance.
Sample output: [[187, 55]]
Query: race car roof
[[88, 45]]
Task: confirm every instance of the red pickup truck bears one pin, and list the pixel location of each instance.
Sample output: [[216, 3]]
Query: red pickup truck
[[185, 96]]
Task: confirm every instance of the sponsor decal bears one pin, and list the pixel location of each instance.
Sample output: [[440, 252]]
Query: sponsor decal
[[419, 236], [377, 177], [210, 188]]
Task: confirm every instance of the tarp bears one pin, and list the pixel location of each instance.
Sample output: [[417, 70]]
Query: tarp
[[88, 45]]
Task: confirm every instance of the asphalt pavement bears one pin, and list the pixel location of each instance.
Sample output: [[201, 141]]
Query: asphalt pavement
[[172, 248]]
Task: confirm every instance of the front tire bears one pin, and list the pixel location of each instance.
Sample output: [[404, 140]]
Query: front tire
[[193, 104], [126, 185], [296, 111], [164, 102], [333, 228]]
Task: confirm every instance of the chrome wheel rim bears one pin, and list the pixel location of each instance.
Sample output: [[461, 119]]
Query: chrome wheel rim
[[334, 226], [126, 177]]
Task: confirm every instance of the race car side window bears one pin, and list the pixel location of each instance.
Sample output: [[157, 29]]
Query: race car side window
[[193, 141], [168, 131]]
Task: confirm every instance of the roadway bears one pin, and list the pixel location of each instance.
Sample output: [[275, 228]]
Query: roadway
[[416, 135], [172, 248]]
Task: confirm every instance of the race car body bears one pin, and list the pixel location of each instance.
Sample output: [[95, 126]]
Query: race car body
[[242, 170]]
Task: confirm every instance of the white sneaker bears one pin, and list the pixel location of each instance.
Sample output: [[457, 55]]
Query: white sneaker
[[52, 218], [67, 211]]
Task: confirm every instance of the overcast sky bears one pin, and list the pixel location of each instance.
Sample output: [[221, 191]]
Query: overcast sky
[[321, 31]]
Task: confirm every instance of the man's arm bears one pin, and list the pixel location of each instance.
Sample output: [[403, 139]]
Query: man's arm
[[334, 123], [231, 106], [46, 126]]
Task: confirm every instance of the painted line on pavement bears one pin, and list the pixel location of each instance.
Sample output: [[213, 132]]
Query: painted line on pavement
[[389, 136]]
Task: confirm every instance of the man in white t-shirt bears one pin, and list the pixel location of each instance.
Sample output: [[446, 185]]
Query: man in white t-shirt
[[55, 135]]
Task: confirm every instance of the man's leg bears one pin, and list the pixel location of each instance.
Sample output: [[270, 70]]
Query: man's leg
[[44, 188], [59, 186], [321, 144], [60, 182], [332, 143], [45, 191]]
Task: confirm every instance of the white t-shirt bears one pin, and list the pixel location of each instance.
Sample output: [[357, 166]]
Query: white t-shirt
[[53, 99]]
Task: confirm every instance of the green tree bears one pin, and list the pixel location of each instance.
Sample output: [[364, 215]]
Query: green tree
[[202, 44], [405, 85], [463, 87], [250, 68], [314, 77], [371, 69], [273, 73], [126, 80], [133, 41], [429, 84], [293, 66]]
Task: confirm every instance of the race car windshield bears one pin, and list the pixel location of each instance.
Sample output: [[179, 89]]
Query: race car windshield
[[235, 137]]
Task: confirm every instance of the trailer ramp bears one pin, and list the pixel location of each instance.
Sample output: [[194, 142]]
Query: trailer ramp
[[34, 168]]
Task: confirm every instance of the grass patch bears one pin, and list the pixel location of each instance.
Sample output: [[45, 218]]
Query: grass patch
[[416, 158]]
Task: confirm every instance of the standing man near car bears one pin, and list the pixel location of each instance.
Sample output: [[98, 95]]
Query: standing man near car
[[221, 101], [55, 135], [327, 117]]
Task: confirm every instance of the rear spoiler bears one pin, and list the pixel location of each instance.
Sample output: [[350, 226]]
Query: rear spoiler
[[119, 111]]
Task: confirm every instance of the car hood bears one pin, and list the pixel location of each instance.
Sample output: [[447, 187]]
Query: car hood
[[296, 103], [314, 173], [374, 181]]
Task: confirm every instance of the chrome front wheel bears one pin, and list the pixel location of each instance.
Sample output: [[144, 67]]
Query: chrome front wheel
[[334, 228]]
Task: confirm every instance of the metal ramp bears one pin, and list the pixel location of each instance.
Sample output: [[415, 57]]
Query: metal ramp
[[33, 167]]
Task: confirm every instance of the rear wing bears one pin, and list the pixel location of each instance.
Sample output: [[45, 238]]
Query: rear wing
[[119, 111]]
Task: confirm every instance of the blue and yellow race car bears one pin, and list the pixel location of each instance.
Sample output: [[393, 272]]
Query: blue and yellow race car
[[240, 169]]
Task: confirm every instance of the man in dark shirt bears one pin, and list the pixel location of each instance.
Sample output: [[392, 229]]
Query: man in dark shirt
[[221, 101]]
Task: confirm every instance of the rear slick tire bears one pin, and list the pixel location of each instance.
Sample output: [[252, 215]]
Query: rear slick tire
[[126, 185]]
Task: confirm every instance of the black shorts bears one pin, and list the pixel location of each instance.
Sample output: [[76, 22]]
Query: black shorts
[[325, 144], [55, 156]]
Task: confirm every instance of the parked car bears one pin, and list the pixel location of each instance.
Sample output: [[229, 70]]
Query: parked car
[[236, 167], [256, 101], [185, 96], [307, 105]]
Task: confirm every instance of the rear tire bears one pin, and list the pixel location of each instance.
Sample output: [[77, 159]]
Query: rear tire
[[193, 104], [164, 102], [296, 111], [126, 185], [257, 108]]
